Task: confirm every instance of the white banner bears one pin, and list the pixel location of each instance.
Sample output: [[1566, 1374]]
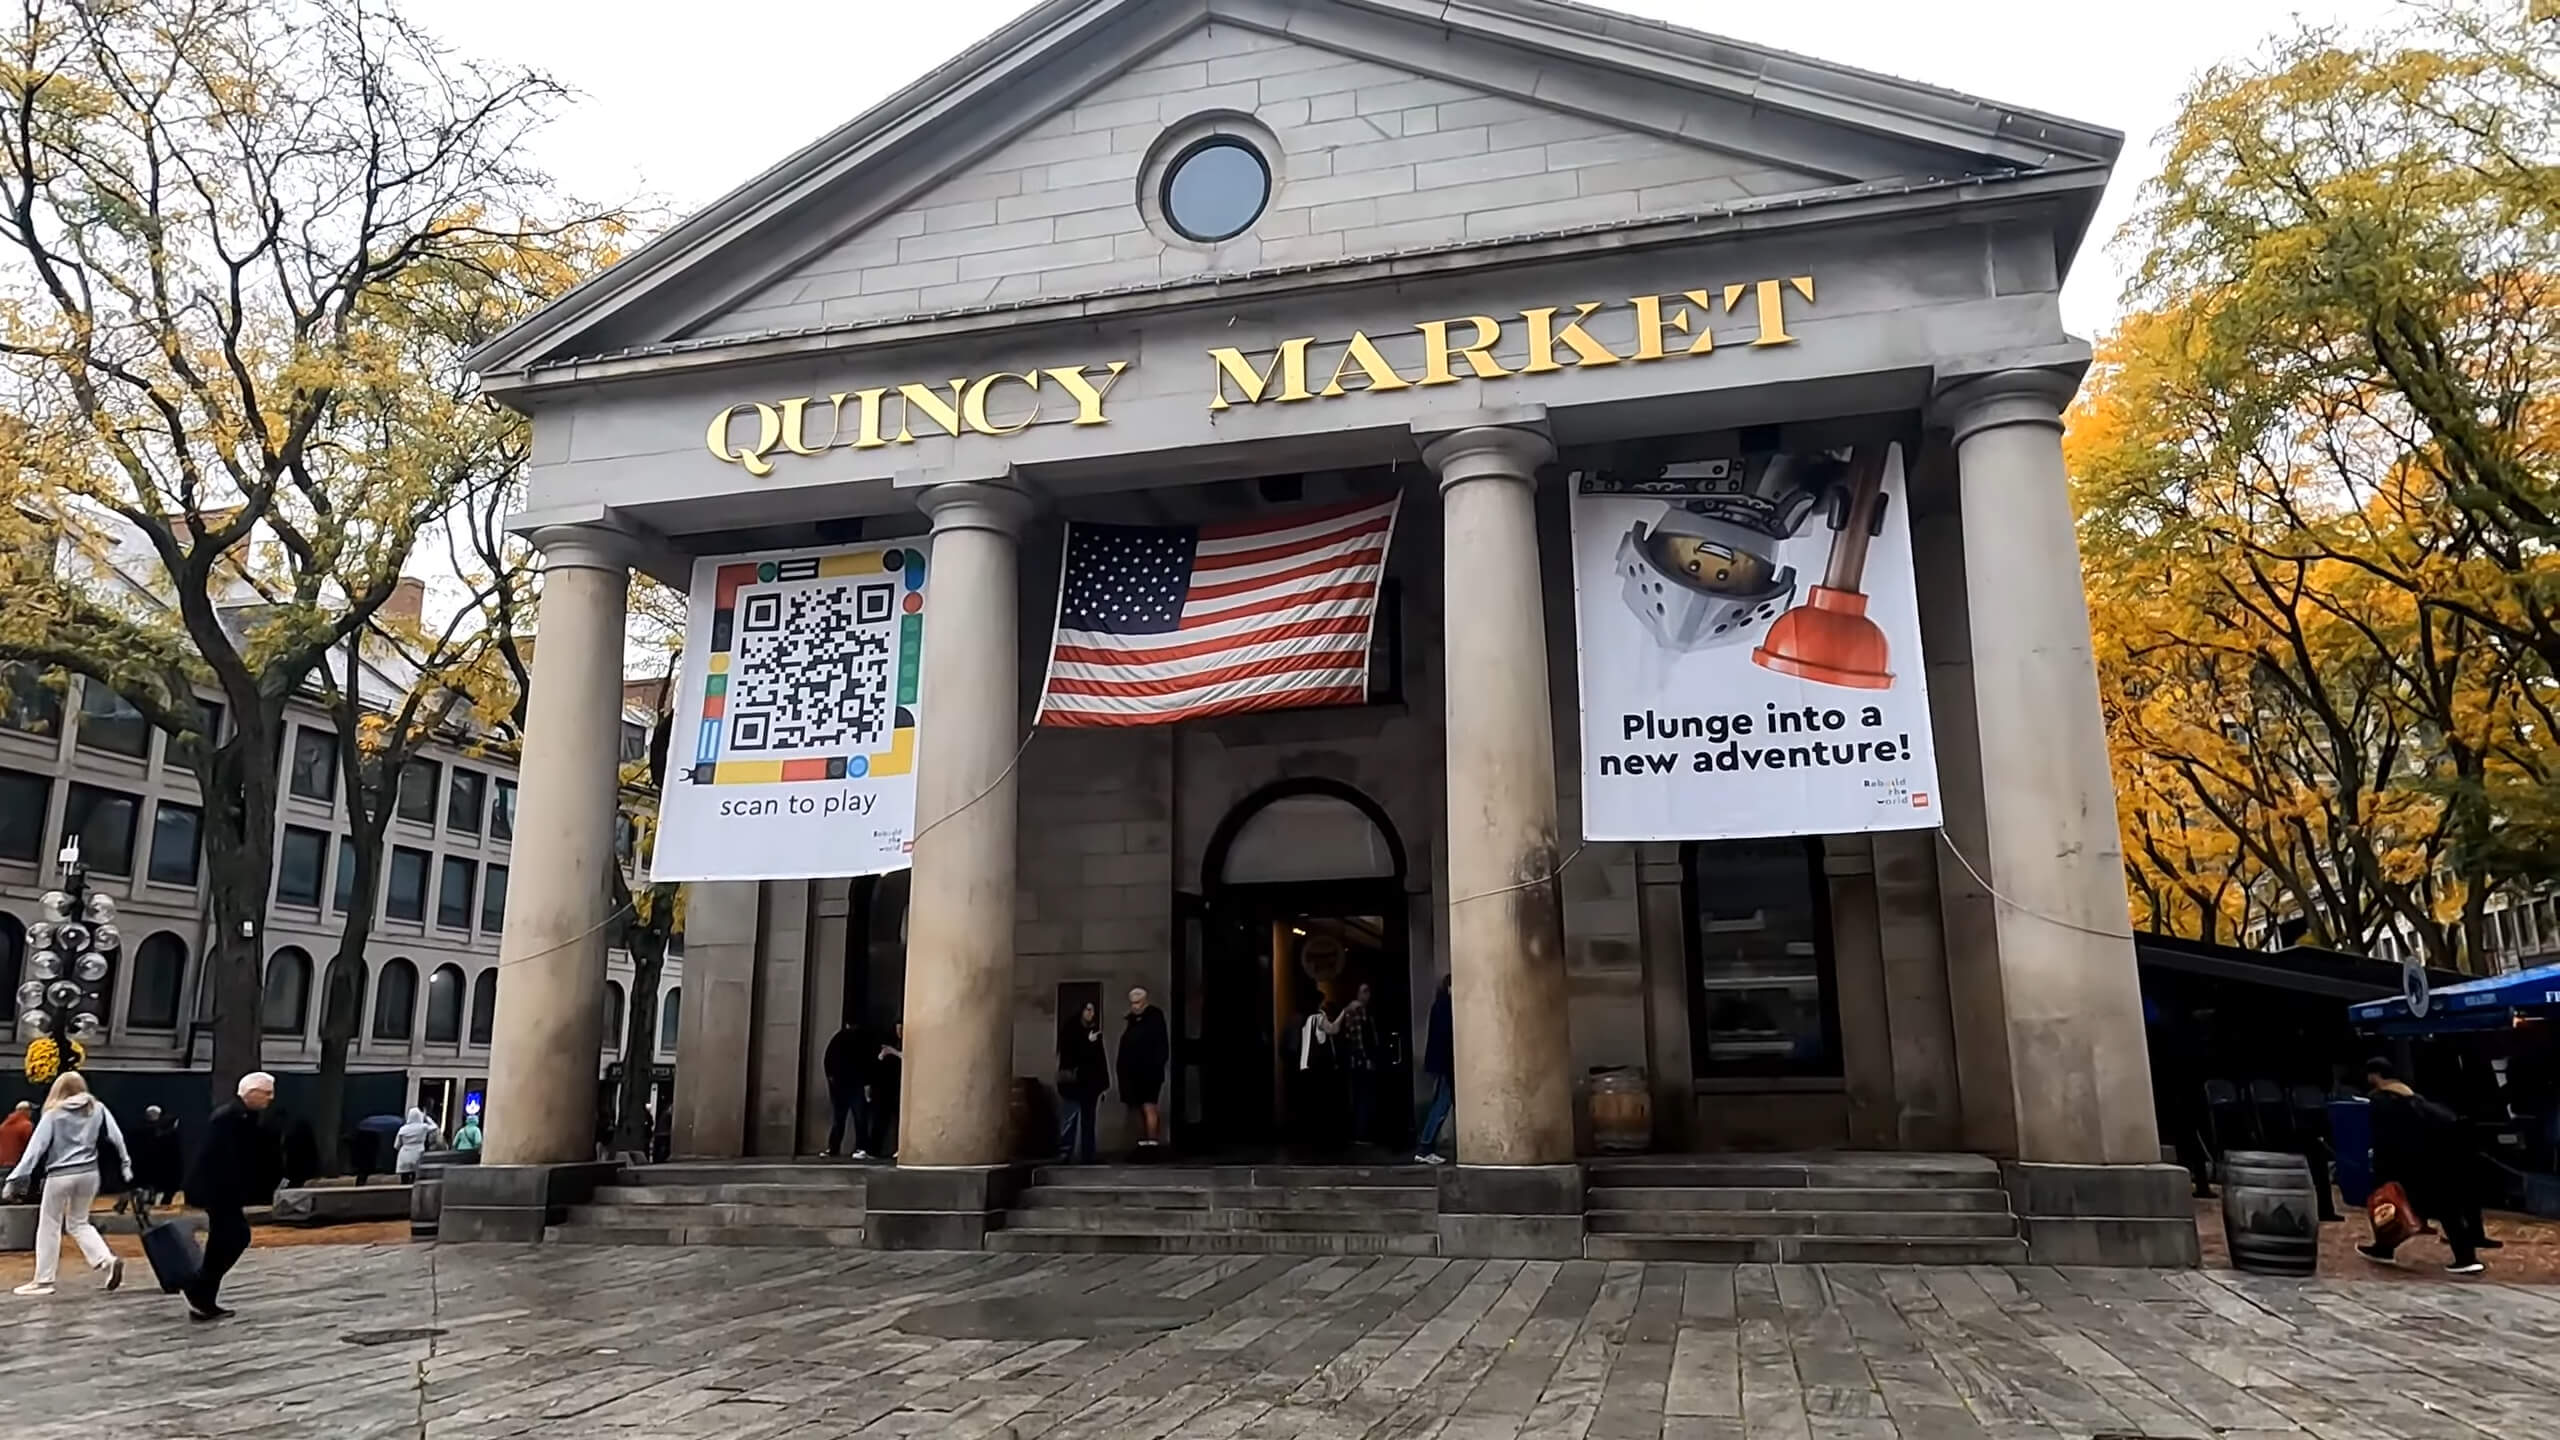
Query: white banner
[[1750, 649], [793, 755]]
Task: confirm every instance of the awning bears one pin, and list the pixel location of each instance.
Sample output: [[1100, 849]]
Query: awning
[[2472, 1005]]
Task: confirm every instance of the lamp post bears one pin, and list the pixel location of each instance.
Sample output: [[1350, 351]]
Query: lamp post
[[70, 952]]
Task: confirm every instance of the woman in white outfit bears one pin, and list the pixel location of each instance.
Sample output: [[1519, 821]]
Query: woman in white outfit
[[66, 1145], [415, 1138]]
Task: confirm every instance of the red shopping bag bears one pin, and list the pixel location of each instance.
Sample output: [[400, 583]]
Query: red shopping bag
[[2388, 1209]]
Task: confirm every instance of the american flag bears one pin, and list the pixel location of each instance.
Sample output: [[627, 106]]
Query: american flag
[[1158, 623]]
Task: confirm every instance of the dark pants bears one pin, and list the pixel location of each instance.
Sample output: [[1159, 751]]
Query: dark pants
[[2456, 1217], [226, 1239], [883, 1120], [846, 1107], [1363, 1085], [1076, 1127]]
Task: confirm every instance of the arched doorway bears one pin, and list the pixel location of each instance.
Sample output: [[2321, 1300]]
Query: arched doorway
[[1304, 903]]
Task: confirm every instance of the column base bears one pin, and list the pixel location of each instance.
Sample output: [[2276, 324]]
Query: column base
[[1511, 1212], [941, 1208], [2133, 1215], [514, 1204]]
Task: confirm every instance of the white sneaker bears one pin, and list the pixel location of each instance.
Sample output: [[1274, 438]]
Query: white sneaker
[[1431, 1157], [33, 1287], [859, 1155]]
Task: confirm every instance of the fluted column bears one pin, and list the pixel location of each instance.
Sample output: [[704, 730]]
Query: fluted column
[[550, 1021], [2079, 1069], [1506, 933], [959, 1012]]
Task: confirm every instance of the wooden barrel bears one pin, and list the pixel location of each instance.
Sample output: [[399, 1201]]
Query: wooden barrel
[[1621, 1108], [2270, 1215]]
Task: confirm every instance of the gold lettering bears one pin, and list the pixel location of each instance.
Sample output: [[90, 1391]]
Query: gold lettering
[[1289, 362], [866, 434], [749, 458], [1770, 299], [1651, 326], [1088, 399], [1543, 336], [792, 409], [1437, 352], [1362, 354], [973, 407], [945, 413]]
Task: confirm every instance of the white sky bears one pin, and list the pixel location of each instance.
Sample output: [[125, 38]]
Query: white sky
[[680, 102]]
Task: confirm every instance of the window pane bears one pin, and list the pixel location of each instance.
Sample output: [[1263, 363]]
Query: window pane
[[613, 1004], [453, 893], [418, 791], [673, 1008], [315, 764], [1762, 996], [159, 977], [109, 722], [463, 802], [104, 821], [23, 798], [493, 900], [405, 897], [626, 837], [27, 704], [344, 898], [484, 1005], [288, 992], [300, 862], [176, 833], [395, 1001], [184, 749], [444, 1006], [502, 813]]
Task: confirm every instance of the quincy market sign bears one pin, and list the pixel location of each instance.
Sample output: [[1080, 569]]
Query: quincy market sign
[[750, 434]]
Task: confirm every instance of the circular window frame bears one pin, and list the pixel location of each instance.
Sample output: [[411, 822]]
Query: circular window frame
[[1193, 151], [1187, 137]]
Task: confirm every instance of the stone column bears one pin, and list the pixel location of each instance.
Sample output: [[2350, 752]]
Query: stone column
[[1506, 934], [959, 1044], [550, 1021], [2052, 857]]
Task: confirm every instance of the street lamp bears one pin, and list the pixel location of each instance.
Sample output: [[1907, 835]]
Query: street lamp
[[70, 957]]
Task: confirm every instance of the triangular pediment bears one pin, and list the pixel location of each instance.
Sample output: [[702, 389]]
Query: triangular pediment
[[1030, 168]]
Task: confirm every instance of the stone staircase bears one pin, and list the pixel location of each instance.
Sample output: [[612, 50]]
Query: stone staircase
[[1893, 1209], [807, 1203], [1181, 1209]]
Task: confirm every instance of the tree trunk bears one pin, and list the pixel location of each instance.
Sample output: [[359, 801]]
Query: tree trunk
[[632, 1129], [239, 783], [339, 1016]]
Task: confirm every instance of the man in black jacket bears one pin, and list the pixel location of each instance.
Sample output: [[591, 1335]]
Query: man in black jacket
[[846, 1067], [236, 1168], [2421, 1145], [1144, 1048]]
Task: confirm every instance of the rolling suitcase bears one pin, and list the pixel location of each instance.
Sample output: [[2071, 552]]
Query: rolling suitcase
[[171, 1247]]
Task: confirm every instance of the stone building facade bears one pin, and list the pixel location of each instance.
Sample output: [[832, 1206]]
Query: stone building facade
[[1660, 243]]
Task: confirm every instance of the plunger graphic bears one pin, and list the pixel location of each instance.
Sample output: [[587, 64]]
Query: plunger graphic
[[1829, 637]]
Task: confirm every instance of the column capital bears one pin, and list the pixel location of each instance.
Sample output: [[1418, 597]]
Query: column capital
[[1505, 444], [976, 505], [587, 547], [2004, 397]]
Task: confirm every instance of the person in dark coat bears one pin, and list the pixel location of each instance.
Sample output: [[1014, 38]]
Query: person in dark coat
[[1144, 1049], [2423, 1147], [158, 1163], [236, 1167], [1084, 1077], [845, 1066], [1440, 1062]]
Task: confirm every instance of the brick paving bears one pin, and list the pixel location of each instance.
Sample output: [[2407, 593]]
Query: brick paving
[[797, 1345]]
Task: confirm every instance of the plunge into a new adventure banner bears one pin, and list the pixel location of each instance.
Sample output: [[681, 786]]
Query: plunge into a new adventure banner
[[1750, 649]]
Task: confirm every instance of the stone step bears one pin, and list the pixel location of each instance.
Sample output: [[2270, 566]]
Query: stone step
[[1923, 1225], [1100, 1217], [1844, 1171], [1906, 1200], [804, 1237], [1287, 1177], [820, 1217], [1804, 1250], [746, 1172], [1208, 1242], [646, 1194], [1343, 1198]]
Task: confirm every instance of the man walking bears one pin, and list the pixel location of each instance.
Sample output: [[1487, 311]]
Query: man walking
[[236, 1168], [1440, 1062], [1144, 1048], [845, 1064], [2421, 1145]]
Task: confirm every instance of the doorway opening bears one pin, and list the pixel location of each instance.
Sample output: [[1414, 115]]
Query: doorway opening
[[1304, 910]]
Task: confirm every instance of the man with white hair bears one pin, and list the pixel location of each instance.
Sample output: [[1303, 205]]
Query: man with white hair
[[235, 1169]]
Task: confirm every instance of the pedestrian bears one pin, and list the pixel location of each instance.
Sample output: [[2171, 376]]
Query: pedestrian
[[1084, 1077], [66, 1146], [1440, 1062], [844, 1067], [16, 1131], [2421, 1146], [886, 1064], [418, 1134], [1144, 1048], [236, 1167], [159, 1157], [467, 1139]]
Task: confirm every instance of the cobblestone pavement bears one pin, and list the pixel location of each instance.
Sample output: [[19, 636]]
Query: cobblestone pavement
[[733, 1344]]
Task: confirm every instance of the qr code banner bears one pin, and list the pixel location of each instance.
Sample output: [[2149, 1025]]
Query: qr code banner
[[799, 688]]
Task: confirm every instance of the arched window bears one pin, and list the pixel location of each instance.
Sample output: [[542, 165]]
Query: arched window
[[444, 1005], [288, 993], [484, 1005], [13, 954], [342, 998], [395, 1000], [613, 1017], [670, 1009], [159, 981], [1307, 836]]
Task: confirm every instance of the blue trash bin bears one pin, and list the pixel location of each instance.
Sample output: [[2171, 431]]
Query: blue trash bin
[[2351, 1132]]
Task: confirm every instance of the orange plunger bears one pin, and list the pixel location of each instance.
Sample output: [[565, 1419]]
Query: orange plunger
[[1829, 637]]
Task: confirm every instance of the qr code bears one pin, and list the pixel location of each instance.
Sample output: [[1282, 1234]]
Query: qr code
[[813, 668]]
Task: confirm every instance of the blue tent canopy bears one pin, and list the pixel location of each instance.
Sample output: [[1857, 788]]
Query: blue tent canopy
[[2471, 1005]]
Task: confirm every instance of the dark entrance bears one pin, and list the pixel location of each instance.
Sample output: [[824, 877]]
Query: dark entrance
[[1305, 904]]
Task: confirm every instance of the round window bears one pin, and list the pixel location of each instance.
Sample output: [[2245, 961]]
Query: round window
[[1215, 189]]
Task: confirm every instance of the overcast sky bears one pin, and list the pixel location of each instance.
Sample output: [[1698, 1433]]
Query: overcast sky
[[680, 102]]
